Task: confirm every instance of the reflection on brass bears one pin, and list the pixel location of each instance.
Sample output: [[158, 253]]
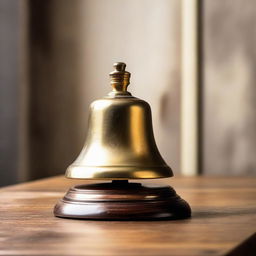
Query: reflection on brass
[[120, 142]]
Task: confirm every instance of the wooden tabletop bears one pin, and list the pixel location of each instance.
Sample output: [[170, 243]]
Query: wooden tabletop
[[223, 222]]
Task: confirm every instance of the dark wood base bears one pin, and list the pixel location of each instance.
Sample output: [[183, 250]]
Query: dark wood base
[[121, 200]]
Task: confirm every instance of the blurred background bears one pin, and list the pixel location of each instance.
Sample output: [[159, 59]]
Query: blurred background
[[193, 61]]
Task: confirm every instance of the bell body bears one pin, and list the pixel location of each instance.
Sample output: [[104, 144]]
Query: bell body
[[120, 142]]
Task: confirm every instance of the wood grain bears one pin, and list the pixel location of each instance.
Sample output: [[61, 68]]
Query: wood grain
[[223, 217]]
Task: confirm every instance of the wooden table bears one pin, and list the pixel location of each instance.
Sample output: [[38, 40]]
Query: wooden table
[[223, 222]]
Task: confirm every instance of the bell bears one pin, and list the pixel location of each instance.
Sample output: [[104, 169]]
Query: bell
[[120, 142], [120, 146]]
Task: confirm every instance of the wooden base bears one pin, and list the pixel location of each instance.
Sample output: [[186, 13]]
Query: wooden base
[[121, 200]]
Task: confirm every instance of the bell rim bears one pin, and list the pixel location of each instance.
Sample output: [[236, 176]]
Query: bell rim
[[118, 172]]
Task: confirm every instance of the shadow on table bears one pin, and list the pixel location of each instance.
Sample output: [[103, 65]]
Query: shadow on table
[[224, 213]]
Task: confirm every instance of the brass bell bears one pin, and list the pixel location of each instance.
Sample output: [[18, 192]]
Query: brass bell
[[120, 142], [120, 146]]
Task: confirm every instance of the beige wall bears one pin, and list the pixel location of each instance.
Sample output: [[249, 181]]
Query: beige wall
[[145, 35], [56, 60], [9, 77], [55, 130], [229, 87], [73, 45]]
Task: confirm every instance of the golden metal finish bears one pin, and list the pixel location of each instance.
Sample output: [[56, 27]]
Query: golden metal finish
[[120, 142], [120, 79]]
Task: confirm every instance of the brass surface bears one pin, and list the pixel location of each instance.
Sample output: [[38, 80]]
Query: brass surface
[[120, 142]]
